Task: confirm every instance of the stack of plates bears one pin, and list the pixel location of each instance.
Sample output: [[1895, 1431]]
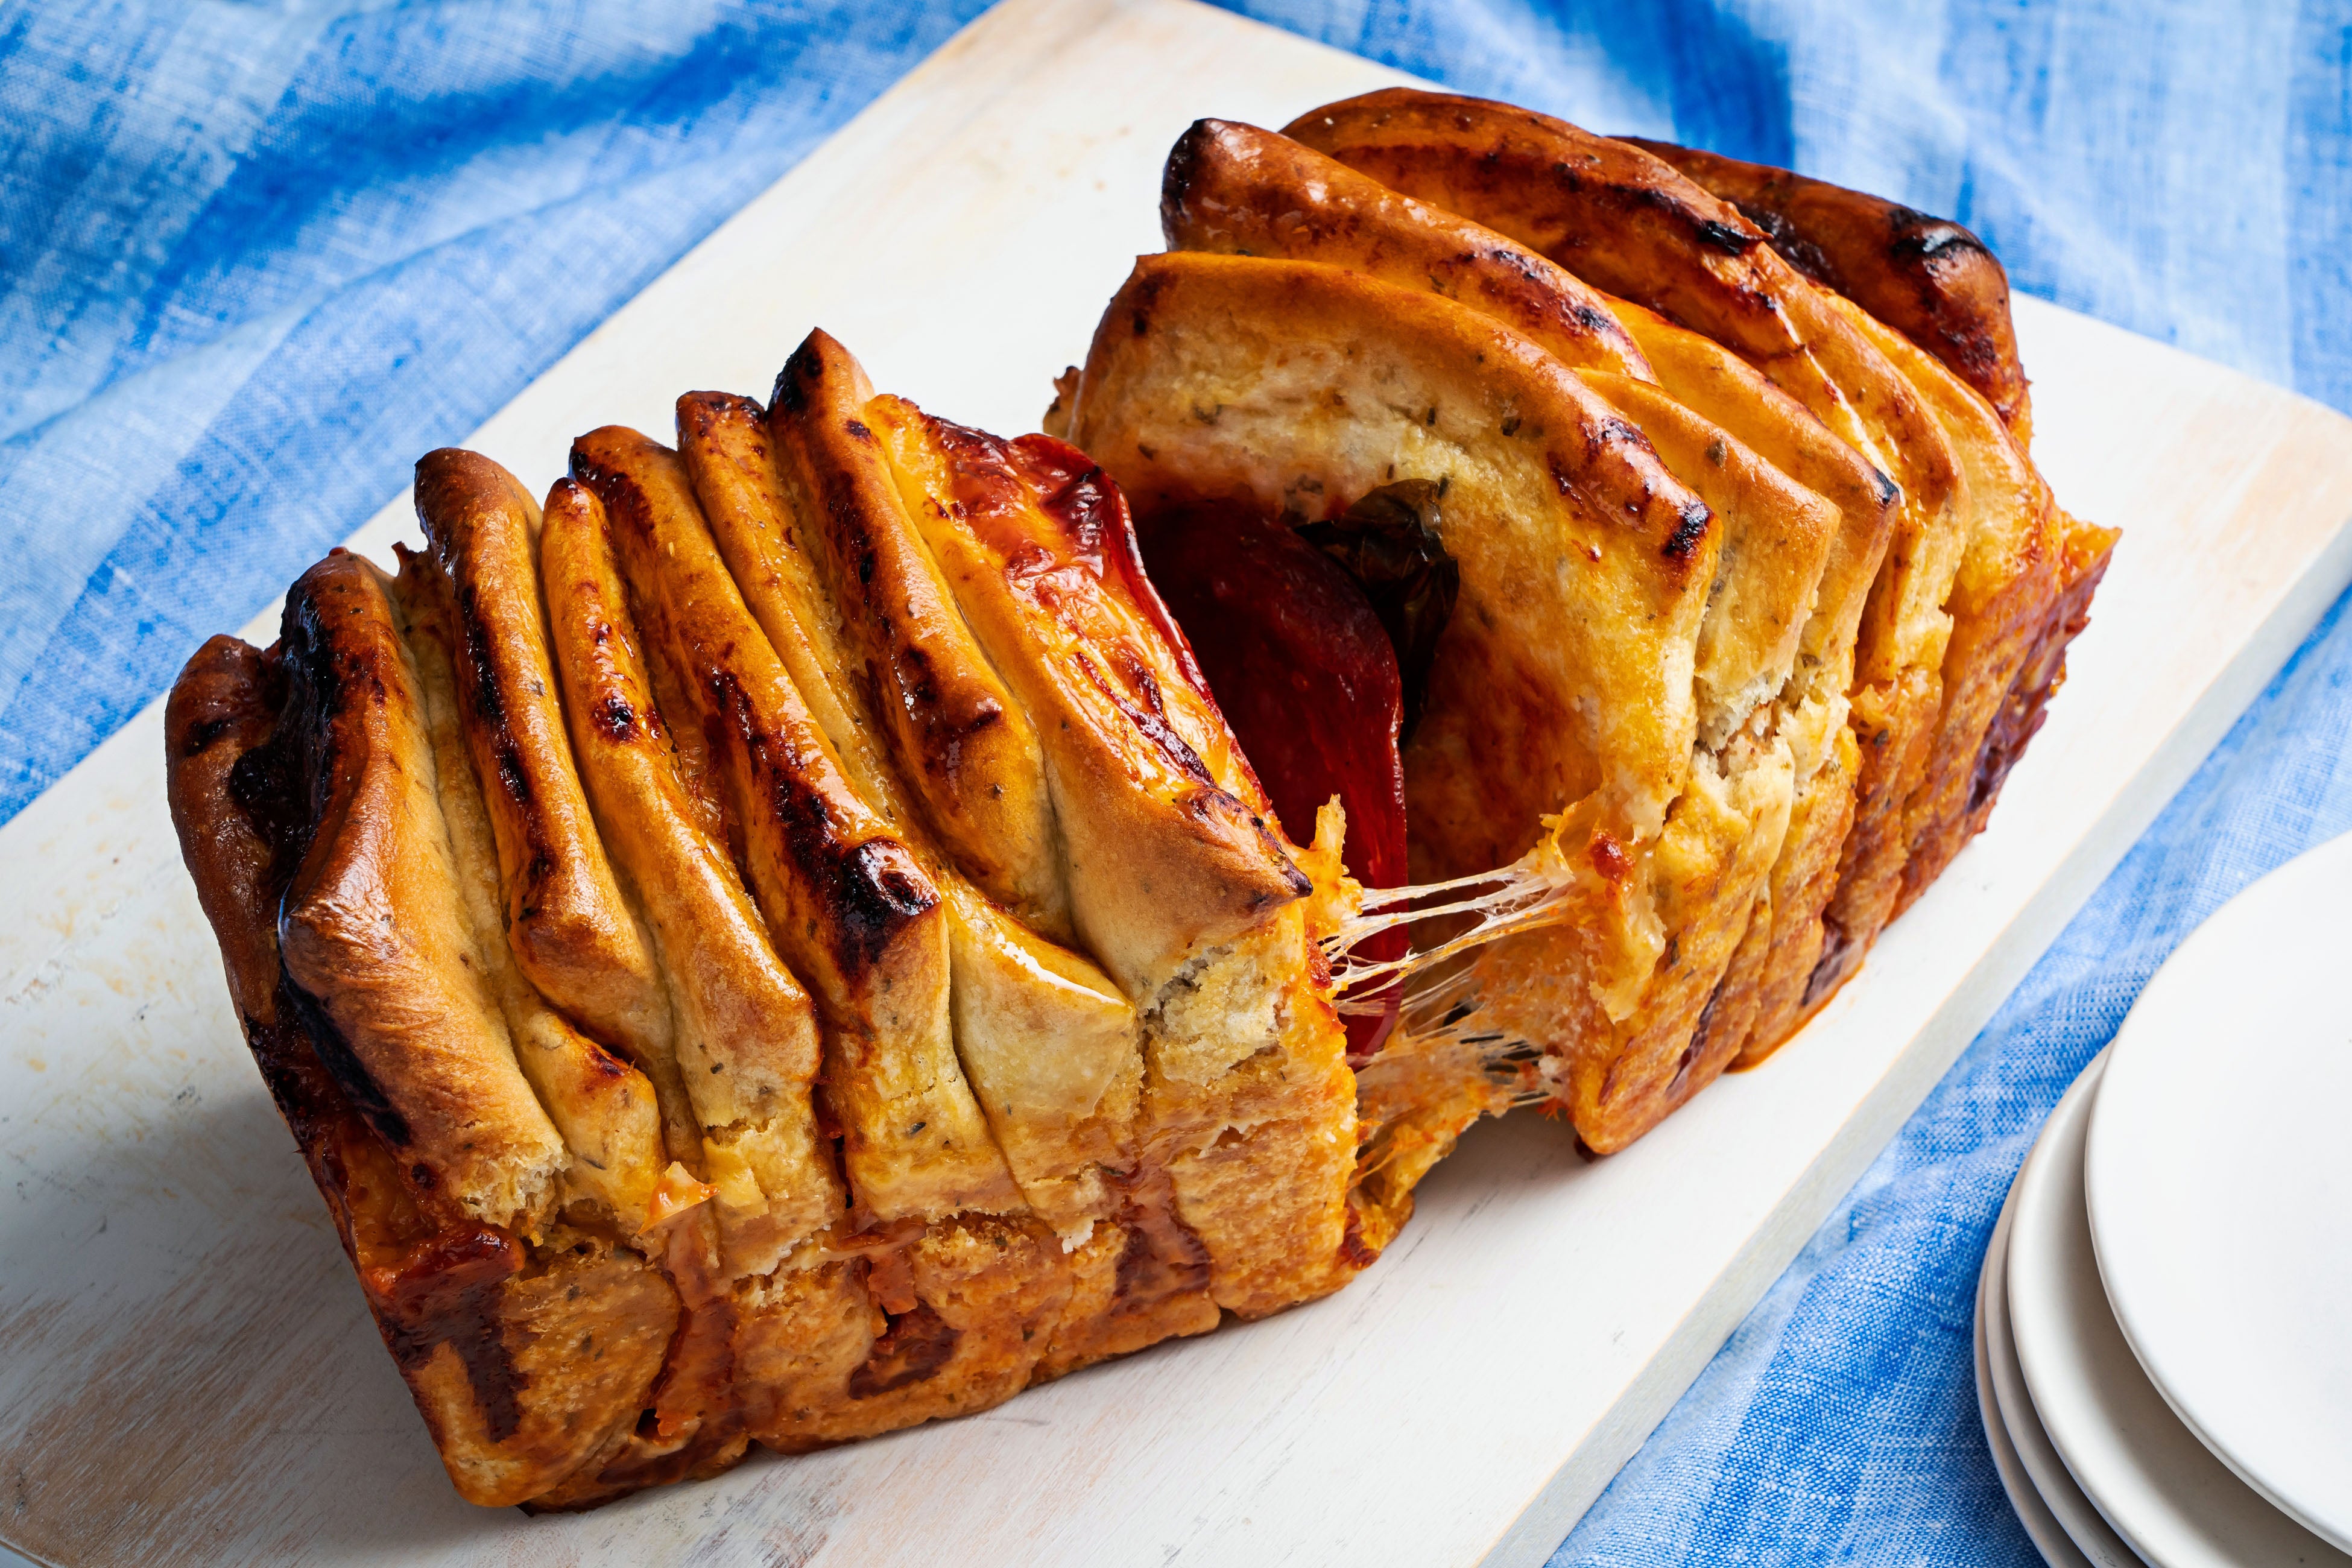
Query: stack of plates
[[2164, 1323]]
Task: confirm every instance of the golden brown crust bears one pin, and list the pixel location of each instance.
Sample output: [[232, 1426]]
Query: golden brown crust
[[571, 931], [218, 712], [1927, 278], [2084, 551], [1759, 1006], [604, 1108], [1167, 840], [846, 904], [1776, 539], [2000, 597], [1046, 1037], [958, 735], [1709, 379], [1178, 879], [1236, 190], [412, 1009], [474, 1324], [757, 509], [744, 1031], [1598, 207]]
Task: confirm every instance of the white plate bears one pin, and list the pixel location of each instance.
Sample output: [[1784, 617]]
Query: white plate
[[2171, 1501], [2219, 1176], [2060, 1518]]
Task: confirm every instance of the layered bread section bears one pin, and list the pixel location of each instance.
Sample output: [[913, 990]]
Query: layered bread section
[[773, 945]]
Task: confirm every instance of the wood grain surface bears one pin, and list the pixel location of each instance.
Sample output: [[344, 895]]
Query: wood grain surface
[[186, 1370]]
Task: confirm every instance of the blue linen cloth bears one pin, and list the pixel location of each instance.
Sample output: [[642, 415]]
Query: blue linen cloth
[[255, 257]]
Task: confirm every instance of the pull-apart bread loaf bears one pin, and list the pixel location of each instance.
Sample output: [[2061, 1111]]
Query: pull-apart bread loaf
[[776, 946], [1879, 589], [781, 941]]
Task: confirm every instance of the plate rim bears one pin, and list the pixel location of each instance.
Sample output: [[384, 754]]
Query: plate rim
[[2077, 1514], [2034, 1510]]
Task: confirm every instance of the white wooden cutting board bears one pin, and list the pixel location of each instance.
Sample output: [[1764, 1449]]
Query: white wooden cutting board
[[186, 1371]]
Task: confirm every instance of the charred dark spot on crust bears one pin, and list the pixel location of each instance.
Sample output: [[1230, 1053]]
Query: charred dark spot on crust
[[803, 371], [483, 694], [1689, 530], [1724, 236], [343, 1065], [880, 891], [1889, 493], [1841, 955], [1925, 238], [511, 777], [447, 1292], [1634, 190], [267, 784], [1597, 321], [1211, 804], [711, 406], [1176, 178], [614, 718], [485, 697], [1562, 479], [203, 733], [869, 891], [1809, 259], [1150, 723], [1613, 431], [913, 1348], [1073, 490], [856, 430]]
